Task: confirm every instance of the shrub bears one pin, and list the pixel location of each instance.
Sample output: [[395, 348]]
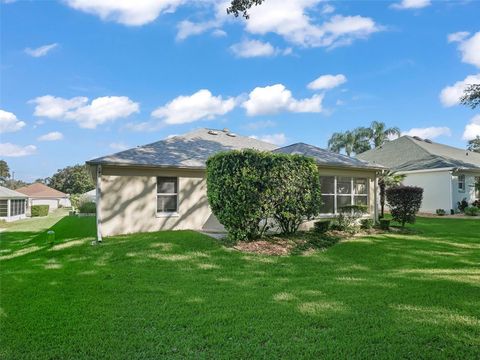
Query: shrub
[[347, 220], [248, 188], [472, 211], [321, 227], [384, 224], [39, 210], [367, 223], [440, 212], [88, 208], [462, 205], [476, 203], [404, 203]]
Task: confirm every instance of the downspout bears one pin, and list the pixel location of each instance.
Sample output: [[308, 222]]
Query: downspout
[[375, 200], [98, 200], [450, 193]]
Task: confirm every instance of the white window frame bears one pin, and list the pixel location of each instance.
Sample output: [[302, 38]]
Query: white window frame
[[167, 213], [461, 180], [352, 194]]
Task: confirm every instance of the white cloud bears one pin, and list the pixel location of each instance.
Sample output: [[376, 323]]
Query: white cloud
[[89, 116], [458, 36], [40, 51], [451, 95], [470, 49], [9, 122], [277, 139], [290, 19], [12, 150], [51, 136], [119, 146], [327, 82], [429, 132], [260, 125], [126, 12], [253, 48], [328, 9], [411, 4], [472, 129], [275, 98], [198, 106]]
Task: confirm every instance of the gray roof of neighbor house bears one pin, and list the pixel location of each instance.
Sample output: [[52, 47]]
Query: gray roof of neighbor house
[[6, 193], [325, 157], [411, 153], [190, 150]]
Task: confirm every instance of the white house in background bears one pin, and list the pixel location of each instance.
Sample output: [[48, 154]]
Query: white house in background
[[447, 174], [13, 205], [41, 194], [90, 195]]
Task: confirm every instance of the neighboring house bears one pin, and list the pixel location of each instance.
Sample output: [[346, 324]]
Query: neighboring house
[[13, 205], [162, 186], [446, 174], [90, 195], [41, 194]]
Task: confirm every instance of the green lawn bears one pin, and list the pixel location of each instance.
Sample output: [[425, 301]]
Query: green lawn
[[182, 295]]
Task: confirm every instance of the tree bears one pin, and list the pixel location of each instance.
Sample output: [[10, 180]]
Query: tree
[[387, 179], [379, 133], [356, 141], [238, 7], [404, 202], [4, 172], [72, 180], [471, 96], [474, 145], [14, 184]]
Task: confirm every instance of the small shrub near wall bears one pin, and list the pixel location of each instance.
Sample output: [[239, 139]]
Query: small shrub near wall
[[39, 210], [472, 211], [88, 208], [404, 203]]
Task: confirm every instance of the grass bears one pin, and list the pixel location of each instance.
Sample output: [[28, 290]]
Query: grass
[[182, 295]]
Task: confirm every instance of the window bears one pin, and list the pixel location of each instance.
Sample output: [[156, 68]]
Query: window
[[3, 207], [461, 183], [339, 191], [167, 194], [17, 207]]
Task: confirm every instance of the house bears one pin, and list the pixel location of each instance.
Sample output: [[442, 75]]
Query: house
[[90, 195], [162, 185], [446, 174], [41, 194], [13, 205]]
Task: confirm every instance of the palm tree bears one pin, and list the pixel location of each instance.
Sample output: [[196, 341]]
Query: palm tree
[[386, 179], [336, 142], [379, 132], [355, 141]]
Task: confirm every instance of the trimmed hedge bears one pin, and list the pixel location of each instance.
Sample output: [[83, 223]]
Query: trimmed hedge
[[246, 189], [88, 208], [472, 211], [39, 210], [404, 203]]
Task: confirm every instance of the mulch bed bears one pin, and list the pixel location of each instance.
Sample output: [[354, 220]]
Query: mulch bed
[[273, 246]]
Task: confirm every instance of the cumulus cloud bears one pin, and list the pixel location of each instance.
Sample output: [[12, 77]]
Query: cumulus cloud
[[12, 150], [126, 12], [89, 116], [119, 146], [429, 132], [277, 139], [472, 129], [40, 51], [276, 98], [51, 136], [325, 82], [256, 48], [451, 95], [9, 122], [198, 106], [458, 36], [469, 47], [411, 4]]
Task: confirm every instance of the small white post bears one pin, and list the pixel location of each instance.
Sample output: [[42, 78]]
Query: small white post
[[98, 199]]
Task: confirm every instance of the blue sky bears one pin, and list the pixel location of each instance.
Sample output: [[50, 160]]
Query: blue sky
[[86, 78]]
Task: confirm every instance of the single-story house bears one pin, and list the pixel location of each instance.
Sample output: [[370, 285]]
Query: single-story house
[[13, 205], [90, 195], [162, 186], [41, 194], [447, 174]]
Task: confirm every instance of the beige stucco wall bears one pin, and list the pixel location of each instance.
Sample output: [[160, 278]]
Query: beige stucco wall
[[128, 200]]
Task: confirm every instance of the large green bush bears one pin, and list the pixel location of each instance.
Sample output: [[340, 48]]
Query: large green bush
[[247, 189], [404, 203], [87, 208], [39, 210]]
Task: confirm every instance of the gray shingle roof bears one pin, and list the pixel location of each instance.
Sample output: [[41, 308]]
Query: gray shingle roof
[[6, 193], [190, 150], [325, 157], [407, 153]]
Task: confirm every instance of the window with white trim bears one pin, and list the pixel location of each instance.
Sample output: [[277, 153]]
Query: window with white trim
[[339, 191], [461, 183], [167, 195]]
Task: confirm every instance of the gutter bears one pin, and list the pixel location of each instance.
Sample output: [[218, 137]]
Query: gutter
[[98, 201]]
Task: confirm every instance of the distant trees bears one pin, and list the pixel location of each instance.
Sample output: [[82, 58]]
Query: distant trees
[[4, 172], [361, 139], [238, 7], [474, 145], [72, 180], [471, 96]]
